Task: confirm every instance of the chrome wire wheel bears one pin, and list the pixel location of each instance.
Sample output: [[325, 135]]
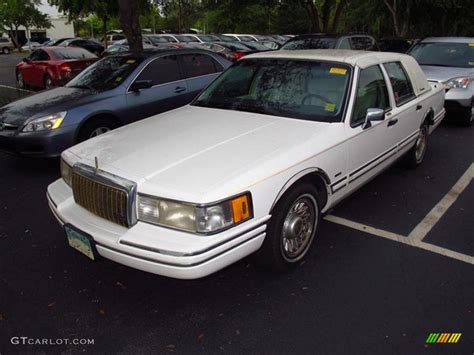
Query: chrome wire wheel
[[98, 131], [298, 227], [421, 144]]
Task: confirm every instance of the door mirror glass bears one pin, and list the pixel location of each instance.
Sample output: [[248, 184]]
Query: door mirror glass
[[373, 114], [26, 60], [141, 84]]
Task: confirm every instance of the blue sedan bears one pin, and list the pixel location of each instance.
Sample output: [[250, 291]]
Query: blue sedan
[[115, 91]]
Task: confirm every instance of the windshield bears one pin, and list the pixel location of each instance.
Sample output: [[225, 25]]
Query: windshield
[[246, 39], [307, 90], [235, 46], [106, 74], [186, 39], [310, 43], [72, 53], [444, 54]]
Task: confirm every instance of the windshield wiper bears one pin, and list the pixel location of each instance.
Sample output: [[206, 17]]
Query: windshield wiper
[[436, 65]]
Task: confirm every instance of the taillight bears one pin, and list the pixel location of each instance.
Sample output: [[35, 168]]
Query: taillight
[[238, 55], [64, 70]]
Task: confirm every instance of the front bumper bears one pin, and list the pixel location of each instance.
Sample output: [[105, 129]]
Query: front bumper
[[46, 144], [156, 249], [458, 99]]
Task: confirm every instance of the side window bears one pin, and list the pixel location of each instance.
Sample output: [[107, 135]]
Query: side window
[[402, 89], [199, 64], [39, 55], [371, 93], [161, 71], [344, 44], [362, 43]]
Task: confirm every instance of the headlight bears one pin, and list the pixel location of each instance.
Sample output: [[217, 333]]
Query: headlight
[[46, 123], [458, 83], [194, 218], [66, 172]]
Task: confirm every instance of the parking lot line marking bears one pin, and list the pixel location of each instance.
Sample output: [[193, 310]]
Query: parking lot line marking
[[14, 88], [430, 220], [400, 238]]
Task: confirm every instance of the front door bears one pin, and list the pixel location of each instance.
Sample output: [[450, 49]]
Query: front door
[[168, 91]]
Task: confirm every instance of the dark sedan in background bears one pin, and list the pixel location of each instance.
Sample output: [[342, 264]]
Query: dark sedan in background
[[88, 44], [114, 91], [52, 66]]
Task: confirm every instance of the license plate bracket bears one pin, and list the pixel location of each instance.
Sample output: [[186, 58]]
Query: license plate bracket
[[81, 241]]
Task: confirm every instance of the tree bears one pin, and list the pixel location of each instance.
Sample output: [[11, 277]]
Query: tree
[[130, 21], [76, 9], [17, 13], [325, 15]]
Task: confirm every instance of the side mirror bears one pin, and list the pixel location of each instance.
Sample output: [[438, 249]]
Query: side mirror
[[373, 114], [26, 60], [141, 84]]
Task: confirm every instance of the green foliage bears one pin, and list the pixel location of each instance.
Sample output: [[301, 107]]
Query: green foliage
[[16, 13]]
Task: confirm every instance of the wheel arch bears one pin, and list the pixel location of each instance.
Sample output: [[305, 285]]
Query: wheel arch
[[315, 176], [97, 115], [429, 117]]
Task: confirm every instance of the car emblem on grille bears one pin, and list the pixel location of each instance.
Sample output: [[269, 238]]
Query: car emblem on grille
[[96, 165]]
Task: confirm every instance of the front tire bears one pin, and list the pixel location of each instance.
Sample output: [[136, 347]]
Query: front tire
[[5, 50], [96, 127], [20, 81], [291, 230], [467, 118], [416, 154]]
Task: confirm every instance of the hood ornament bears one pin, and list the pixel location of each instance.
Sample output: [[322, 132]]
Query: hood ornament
[[96, 165]]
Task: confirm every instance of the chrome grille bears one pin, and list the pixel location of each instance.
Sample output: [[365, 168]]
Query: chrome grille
[[103, 197]]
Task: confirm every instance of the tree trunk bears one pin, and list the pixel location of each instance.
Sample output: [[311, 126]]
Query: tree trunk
[[337, 15], [130, 22], [104, 23], [393, 10], [313, 14]]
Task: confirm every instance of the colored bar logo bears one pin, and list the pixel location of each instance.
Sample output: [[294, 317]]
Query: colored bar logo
[[443, 338]]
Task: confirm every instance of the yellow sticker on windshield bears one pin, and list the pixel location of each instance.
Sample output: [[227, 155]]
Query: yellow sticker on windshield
[[330, 107], [131, 61], [339, 71], [471, 63], [117, 79]]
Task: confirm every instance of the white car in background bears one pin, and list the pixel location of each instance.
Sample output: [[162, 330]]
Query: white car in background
[[251, 165]]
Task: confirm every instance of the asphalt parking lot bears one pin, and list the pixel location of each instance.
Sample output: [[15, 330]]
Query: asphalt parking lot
[[392, 264]]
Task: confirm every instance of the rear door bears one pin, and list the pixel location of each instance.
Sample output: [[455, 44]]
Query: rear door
[[199, 70], [407, 110], [168, 92]]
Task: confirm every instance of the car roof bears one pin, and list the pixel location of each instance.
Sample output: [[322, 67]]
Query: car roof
[[152, 52], [449, 39], [362, 59]]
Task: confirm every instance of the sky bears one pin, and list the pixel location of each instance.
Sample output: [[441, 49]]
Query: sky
[[48, 9]]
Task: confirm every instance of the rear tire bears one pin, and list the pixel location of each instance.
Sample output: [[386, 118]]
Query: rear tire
[[415, 156], [292, 228], [6, 50], [96, 127], [48, 83]]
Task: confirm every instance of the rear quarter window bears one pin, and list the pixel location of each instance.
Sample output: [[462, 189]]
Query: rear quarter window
[[401, 84]]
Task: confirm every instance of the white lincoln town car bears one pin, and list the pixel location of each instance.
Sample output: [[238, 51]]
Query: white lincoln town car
[[251, 165]]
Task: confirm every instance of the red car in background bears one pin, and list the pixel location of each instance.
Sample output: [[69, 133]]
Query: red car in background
[[47, 67]]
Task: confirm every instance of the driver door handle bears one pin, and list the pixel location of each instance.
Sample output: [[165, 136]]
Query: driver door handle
[[392, 122], [179, 89]]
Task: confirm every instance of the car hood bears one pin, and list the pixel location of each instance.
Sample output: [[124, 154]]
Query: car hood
[[42, 103], [442, 74], [191, 153]]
